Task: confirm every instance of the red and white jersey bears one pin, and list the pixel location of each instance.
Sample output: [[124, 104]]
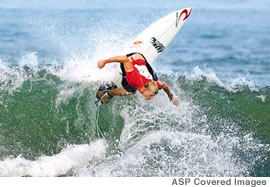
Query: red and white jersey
[[140, 75]]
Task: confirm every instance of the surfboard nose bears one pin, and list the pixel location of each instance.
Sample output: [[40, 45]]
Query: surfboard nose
[[183, 14]]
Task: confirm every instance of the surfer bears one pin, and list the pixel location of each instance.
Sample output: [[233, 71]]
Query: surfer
[[137, 74]]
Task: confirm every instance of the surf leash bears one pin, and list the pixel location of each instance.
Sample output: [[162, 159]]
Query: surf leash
[[98, 131]]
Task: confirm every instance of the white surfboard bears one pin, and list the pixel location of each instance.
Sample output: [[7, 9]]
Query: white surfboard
[[154, 40]]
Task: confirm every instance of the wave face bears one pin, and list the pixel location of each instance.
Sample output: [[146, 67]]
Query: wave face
[[50, 125], [218, 130]]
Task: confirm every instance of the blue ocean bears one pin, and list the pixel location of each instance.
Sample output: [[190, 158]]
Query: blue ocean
[[218, 66]]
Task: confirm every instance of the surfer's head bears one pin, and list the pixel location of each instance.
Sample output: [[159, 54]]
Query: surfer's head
[[151, 89]]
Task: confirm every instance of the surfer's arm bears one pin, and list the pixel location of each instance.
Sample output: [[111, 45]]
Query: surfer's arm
[[166, 89], [121, 59]]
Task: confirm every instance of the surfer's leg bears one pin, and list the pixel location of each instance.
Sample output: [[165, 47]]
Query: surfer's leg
[[102, 97], [105, 96], [119, 92], [103, 92]]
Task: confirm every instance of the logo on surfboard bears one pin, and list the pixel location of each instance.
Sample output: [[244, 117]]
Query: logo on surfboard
[[137, 43], [185, 12], [157, 44]]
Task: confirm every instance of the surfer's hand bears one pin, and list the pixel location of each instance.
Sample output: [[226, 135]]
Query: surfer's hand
[[175, 101], [101, 64]]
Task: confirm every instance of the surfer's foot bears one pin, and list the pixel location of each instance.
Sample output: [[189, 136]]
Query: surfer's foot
[[104, 97]]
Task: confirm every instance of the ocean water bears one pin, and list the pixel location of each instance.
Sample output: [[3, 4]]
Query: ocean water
[[218, 66]]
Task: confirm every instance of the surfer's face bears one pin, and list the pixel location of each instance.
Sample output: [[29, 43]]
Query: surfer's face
[[149, 95], [150, 90]]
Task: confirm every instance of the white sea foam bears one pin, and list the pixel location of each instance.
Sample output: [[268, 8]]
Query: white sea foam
[[81, 65], [72, 157], [170, 153], [231, 84], [12, 78], [175, 141], [29, 60], [85, 70], [198, 74], [262, 98]]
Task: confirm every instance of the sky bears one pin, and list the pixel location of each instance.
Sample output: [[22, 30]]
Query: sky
[[93, 4]]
